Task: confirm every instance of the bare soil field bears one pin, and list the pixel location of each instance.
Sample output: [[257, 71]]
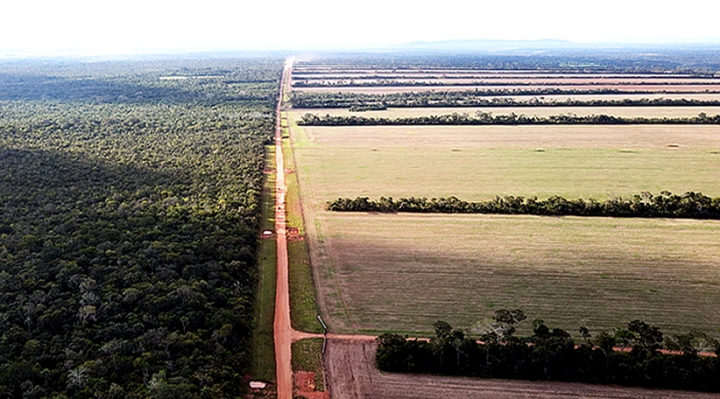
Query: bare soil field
[[353, 375], [626, 112]]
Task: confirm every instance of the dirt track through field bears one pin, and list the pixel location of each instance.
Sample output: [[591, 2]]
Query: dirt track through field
[[351, 374]]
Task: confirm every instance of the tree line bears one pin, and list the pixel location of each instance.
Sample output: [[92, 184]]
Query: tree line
[[487, 118], [473, 98], [552, 354], [690, 205]]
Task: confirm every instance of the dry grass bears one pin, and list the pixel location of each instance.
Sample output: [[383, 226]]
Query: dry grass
[[626, 112]]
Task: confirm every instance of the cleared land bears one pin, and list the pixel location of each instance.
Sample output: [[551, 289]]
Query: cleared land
[[403, 272], [409, 89], [480, 162], [353, 376], [626, 112], [530, 80]]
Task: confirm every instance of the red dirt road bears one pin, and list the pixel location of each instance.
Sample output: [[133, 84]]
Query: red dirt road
[[282, 329]]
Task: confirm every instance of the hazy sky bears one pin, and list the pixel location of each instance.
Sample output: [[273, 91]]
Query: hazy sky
[[129, 26]]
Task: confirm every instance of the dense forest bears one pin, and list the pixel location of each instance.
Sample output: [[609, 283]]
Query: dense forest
[[487, 118], [632, 356], [696, 60], [129, 198], [480, 98], [646, 205]]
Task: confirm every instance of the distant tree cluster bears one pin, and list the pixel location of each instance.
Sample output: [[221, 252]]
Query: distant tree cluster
[[552, 354], [666, 205], [479, 98], [128, 234]]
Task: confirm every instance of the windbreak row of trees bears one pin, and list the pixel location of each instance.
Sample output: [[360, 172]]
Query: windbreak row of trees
[[631, 356], [487, 118], [478, 98], [646, 205], [128, 237]]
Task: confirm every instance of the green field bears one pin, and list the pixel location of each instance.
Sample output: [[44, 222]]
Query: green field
[[403, 272], [478, 163]]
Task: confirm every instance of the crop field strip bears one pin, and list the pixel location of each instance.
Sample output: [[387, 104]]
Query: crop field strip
[[679, 89], [625, 111], [403, 272]]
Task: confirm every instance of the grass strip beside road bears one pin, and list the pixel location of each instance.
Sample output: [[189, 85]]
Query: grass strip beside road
[[307, 356], [263, 362], [303, 304]]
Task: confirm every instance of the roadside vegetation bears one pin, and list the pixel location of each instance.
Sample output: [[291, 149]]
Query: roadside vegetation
[[303, 305]]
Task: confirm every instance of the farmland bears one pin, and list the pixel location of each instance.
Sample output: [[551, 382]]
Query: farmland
[[480, 162], [378, 273], [401, 272], [626, 112]]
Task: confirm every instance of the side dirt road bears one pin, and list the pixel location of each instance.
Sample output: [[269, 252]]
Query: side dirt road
[[351, 374]]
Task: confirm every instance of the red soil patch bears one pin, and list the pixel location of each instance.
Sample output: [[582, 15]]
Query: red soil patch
[[304, 382], [293, 234]]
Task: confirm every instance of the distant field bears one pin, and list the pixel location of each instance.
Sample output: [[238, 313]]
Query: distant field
[[626, 112], [554, 81], [410, 89]]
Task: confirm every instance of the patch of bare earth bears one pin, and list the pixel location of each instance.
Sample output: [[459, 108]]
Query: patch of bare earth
[[351, 374], [304, 383]]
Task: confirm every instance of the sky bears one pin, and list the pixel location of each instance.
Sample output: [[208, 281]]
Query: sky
[[89, 27]]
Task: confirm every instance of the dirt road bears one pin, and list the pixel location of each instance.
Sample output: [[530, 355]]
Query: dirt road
[[282, 329]]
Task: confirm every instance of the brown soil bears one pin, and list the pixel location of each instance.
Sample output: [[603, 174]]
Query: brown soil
[[304, 382], [351, 374]]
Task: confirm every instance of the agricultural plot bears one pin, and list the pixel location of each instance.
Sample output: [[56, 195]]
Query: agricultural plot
[[400, 273], [625, 112], [403, 272], [480, 162], [649, 88]]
